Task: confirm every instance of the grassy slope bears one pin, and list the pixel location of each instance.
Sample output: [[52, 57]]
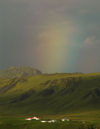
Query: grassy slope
[[50, 94]]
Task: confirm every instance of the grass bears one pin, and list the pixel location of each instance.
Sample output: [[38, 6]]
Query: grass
[[20, 123], [80, 120]]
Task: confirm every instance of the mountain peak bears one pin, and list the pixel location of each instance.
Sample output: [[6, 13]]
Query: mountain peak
[[18, 71]]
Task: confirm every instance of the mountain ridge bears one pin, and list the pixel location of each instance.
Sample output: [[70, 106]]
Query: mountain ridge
[[50, 93], [18, 71]]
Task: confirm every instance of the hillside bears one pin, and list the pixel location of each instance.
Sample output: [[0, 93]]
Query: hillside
[[50, 93], [17, 72]]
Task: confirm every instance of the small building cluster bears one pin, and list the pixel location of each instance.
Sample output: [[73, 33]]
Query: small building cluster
[[44, 121]]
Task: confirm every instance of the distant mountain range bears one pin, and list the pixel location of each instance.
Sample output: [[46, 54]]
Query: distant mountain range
[[13, 72], [23, 92]]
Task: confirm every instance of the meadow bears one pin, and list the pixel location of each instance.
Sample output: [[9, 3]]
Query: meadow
[[82, 120], [21, 123]]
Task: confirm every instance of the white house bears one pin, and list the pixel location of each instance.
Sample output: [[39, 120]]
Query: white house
[[36, 118], [43, 121], [52, 121], [64, 119]]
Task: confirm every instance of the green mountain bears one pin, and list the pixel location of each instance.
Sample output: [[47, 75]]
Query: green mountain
[[50, 93], [13, 72]]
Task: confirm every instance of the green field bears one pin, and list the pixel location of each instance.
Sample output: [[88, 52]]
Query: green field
[[19, 122]]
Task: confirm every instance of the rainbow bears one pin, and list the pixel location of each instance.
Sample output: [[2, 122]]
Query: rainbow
[[55, 47]]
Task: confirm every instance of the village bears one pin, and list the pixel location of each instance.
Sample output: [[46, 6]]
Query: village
[[46, 121]]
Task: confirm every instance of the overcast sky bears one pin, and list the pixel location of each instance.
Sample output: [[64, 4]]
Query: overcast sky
[[51, 35]]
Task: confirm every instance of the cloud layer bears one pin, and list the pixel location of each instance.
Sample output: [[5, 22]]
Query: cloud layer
[[52, 35]]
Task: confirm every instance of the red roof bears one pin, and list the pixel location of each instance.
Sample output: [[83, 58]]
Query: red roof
[[30, 118]]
